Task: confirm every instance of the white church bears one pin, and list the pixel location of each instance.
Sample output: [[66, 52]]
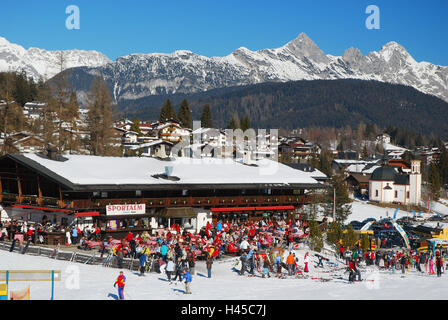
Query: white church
[[388, 185]]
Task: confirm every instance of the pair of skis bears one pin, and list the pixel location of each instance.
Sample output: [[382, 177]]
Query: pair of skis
[[108, 261]]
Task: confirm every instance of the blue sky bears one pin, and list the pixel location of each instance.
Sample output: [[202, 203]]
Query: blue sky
[[216, 28]]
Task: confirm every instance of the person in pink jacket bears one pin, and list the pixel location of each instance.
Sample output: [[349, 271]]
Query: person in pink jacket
[[431, 265], [306, 260]]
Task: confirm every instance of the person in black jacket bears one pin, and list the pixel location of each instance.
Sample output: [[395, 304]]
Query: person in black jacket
[[179, 269], [209, 264], [439, 263], [133, 245]]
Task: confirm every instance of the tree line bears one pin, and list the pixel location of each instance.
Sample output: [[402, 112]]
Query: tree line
[[59, 122], [184, 116]]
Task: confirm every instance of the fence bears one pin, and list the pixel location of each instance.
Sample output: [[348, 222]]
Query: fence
[[92, 259]]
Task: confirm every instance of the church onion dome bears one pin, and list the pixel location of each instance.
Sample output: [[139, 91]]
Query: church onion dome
[[383, 174]]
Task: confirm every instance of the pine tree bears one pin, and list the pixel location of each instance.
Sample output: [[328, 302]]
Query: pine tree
[[350, 238], [167, 112], [135, 126], [342, 208], [234, 123], [71, 116], [442, 165], [6, 109], [335, 234], [100, 119], [316, 236], [245, 123], [206, 117], [365, 243], [434, 181], [184, 115]]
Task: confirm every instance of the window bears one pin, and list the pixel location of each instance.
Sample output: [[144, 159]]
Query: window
[[396, 194], [407, 194], [376, 193]]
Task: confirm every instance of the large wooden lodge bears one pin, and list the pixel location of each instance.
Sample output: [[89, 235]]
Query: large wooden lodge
[[121, 194]]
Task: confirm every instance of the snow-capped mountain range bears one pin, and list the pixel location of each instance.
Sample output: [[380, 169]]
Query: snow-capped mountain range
[[139, 75], [40, 63]]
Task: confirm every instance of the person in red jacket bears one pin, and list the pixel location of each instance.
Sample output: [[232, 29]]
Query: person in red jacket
[[121, 282], [341, 252]]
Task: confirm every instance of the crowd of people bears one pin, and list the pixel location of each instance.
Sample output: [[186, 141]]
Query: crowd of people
[[396, 261]]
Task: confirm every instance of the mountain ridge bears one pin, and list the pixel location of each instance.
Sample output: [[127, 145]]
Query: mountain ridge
[[144, 74], [40, 63]]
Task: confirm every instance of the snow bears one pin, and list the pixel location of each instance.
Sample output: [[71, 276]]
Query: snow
[[96, 283], [82, 169]]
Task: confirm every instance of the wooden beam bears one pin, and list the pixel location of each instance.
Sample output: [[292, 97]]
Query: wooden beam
[[39, 192], [61, 203], [19, 183]]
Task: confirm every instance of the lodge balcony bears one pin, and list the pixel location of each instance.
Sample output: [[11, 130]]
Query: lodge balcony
[[98, 204]]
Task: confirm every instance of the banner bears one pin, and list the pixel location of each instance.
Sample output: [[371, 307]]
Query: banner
[[125, 209], [367, 226], [403, 234]]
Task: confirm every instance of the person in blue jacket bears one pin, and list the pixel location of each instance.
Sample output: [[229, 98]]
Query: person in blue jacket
[[219, 226], [143, 259], [74, 235], [187, 278], [164, 251]]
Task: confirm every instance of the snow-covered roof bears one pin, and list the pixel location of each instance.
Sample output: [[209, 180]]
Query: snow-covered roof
[[150, 144], [95, 170], [391, 147]]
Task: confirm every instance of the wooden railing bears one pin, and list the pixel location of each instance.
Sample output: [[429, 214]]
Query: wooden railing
[[159, 202], [195, 201]]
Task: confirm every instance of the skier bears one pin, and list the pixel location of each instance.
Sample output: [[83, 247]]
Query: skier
[[243, 263], [143, 259], [187, 277], [431, 265], [306, 260], [164, 251], [121, 281], [209, 264], [169, 269], [439, 264], [191, 260], [351, 269], [290, 261], [178, 270], [278, 263], [266, 268], [252, 264]]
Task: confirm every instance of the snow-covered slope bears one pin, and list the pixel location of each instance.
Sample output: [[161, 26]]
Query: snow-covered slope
[[40, 63], [139, 75], [87, 282]]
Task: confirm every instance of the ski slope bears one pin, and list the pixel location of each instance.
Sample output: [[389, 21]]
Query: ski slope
[[96, 283]]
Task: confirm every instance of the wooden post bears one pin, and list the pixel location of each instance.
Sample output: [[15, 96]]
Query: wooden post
[[39, 192], [61, 203], [19, 183]]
